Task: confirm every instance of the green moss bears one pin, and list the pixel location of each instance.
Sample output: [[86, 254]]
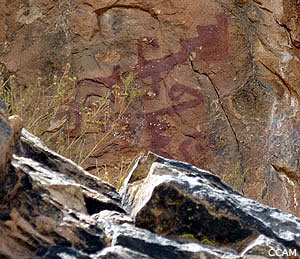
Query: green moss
[[191, 236], [206, 241]]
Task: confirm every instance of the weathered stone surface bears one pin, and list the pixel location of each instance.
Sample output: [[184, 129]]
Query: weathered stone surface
[[5, 139], [51, 208], [60, 252], [175, 199], [221, 79], [46, 202], [119, 252], [120, 229], [9, 134], [263, 247], [123, 233], [96, 194]]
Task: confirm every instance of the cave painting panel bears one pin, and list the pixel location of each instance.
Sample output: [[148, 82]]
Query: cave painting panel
[[210, 45]]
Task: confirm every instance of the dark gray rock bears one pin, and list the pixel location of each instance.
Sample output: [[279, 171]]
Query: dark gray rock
[[264, 247], [175, 199], [6, 140], [119, 252], [46, 200], [122, 232], [59, 252]]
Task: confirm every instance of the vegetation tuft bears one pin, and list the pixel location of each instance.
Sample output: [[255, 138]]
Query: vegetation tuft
[[46, 111]]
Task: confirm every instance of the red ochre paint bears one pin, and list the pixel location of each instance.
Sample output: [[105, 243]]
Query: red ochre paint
[[210, 45]]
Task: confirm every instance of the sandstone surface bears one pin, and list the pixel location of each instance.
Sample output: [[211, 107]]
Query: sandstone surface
[[220, 80]]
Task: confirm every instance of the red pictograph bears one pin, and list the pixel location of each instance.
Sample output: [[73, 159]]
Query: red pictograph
[[211, 45]]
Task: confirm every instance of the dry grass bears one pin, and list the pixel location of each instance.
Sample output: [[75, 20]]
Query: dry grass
[[46, 112]]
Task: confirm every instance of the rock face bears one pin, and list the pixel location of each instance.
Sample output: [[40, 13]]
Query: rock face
[[10, 132], [51, 208], [220, 79], [5, 139]]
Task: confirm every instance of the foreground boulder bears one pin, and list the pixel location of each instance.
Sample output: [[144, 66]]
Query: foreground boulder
[[178, 200], [124, 233], [46, 200], [51, 208]]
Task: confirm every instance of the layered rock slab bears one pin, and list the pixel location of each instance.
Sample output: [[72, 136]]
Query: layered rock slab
[[123, 233], [175, 199], [46, 201], [51, 208]]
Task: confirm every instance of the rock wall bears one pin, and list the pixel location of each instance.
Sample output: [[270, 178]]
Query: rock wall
[[220, 79]]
